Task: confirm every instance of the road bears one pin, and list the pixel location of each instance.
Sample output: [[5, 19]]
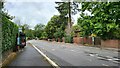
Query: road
[[75, 55], [64, 55]]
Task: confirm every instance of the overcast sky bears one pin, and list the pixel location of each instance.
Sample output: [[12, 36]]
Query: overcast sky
[[33, 12]]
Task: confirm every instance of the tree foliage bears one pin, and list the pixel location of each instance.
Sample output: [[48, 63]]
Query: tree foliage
[[104, 21], [66, 9], [30, 33], [38, 30], [9, 31], [24, 27], [86, 25], [59, 33], [63, 8], [75, 30], [53, 26]]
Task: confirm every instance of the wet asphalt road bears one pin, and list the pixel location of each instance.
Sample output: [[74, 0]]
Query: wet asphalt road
[[29, 57], [65, 55], [76, 55]]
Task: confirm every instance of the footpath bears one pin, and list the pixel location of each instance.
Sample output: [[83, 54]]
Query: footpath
[[27, 58]]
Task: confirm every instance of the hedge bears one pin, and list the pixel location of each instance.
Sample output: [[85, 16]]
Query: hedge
[[0, 35], [68, 39], [9, 31]]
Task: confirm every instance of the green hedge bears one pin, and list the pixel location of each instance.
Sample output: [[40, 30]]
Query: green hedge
[[68, 39], [9, 31]]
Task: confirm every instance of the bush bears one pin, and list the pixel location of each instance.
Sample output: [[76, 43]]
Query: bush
[[9, 31], [68, 39], [59, 34]]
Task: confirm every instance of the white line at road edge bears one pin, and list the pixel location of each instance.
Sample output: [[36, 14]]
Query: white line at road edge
[[48, 59]]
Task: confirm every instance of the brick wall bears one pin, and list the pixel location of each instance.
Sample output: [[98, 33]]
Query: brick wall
[[63, 39], [81, 40], [110, 43], [78, 40], [97, 41]]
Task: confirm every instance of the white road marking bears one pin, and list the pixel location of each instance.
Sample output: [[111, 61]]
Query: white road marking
[[53, 49], [91, 54], [100, 58], [47, 58], [71, 50], [109, 59], [105, 65], [116, 59], [116, 62]]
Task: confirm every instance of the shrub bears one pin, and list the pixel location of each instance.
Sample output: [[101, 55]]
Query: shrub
[[59, 34], [68, 39]]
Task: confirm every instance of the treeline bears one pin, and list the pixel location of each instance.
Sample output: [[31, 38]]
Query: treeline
[[102, 20], [36, 32]]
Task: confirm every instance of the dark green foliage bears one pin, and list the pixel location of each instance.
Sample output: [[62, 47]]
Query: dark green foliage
[[66, 9], [104, 22], [44, 35], [86, 26], [68, 39], [30, 33], [75, 30], [39, 30], [54, 25], [63, 7], [1, 6], [9, 31], [59, 34]]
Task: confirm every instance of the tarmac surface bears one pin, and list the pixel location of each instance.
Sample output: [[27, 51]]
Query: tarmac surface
[[29, 57], [66, 55]]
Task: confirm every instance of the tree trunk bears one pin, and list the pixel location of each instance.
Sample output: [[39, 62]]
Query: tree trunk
[[68, 28]]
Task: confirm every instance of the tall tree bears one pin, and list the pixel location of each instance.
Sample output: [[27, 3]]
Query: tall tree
[[106, 18], [75, 30], [65, 9], [52, 26], [39, 28], [24, 27], [86, 25]]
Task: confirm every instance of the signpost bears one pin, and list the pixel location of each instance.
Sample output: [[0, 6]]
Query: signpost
[[93, 39]]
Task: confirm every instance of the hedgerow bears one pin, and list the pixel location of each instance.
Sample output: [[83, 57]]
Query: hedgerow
[[9, 31]]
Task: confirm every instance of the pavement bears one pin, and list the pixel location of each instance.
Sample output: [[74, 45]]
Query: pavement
[[113, 49], [29, 57], [95, 46]]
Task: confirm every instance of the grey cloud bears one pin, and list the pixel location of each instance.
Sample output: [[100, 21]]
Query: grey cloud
[[32, 12]]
